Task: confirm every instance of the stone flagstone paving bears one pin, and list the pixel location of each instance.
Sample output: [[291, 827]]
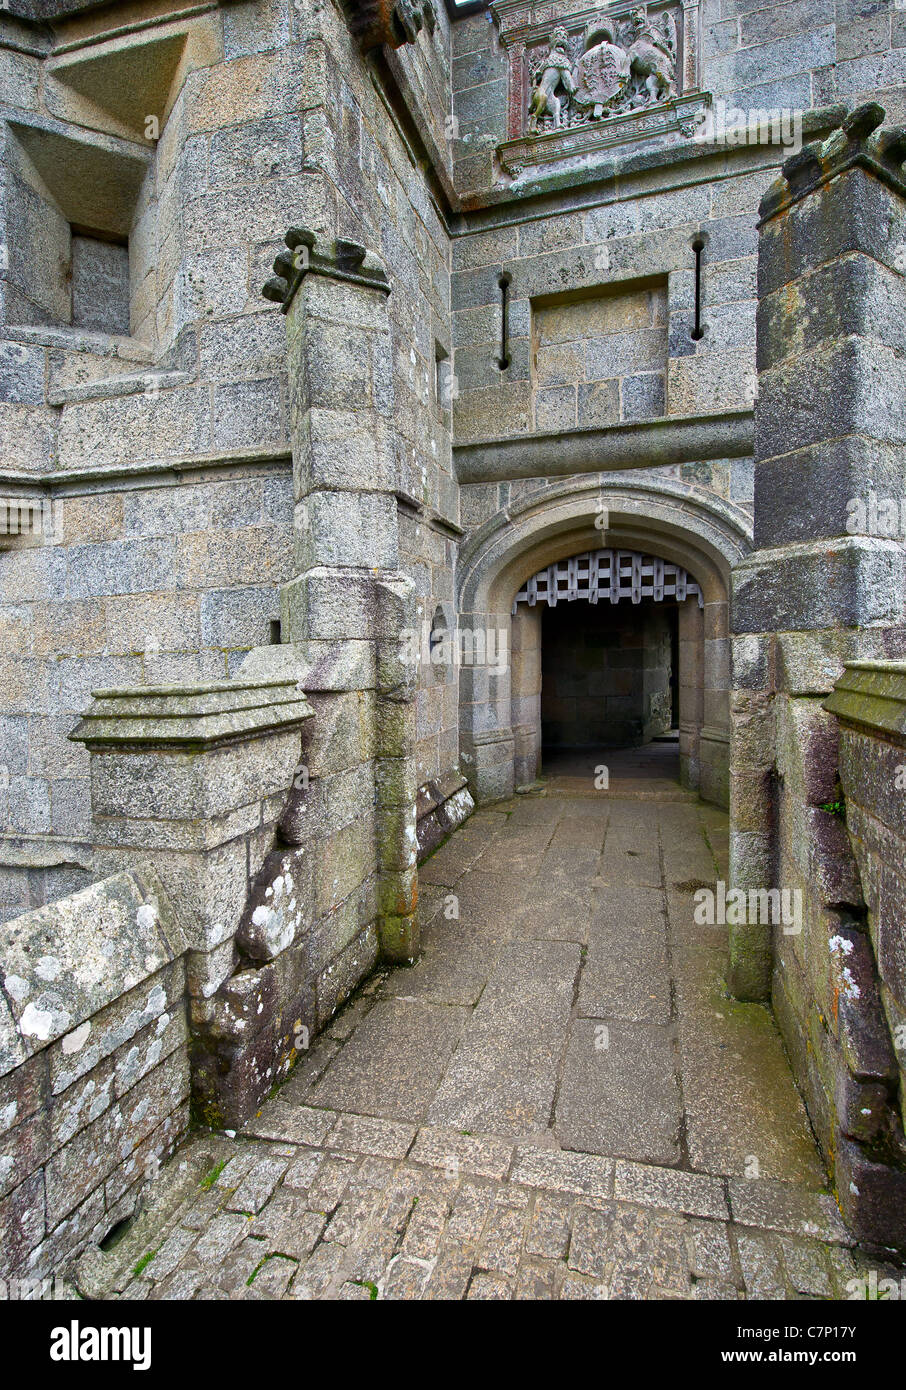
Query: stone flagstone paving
[[557, 1101]]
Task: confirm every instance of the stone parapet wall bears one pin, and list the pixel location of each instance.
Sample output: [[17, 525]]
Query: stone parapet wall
[[869, 701], [267, 844], [94, 1066]]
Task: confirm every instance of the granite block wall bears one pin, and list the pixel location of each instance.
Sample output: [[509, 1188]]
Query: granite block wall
[[94, 1072], [162, 443], [147, 585], [810, 599]]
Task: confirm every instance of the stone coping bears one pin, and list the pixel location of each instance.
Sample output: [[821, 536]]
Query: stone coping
[[123, 384], [438, 790], [191, 715], [858, 143], [873, 694]]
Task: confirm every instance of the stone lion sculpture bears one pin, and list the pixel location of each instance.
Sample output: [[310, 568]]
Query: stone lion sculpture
[[652, 56], [553, 73]]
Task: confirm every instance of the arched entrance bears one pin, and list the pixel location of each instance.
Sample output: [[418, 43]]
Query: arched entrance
[[500, 708]]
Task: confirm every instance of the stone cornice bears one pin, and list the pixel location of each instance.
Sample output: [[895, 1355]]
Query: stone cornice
[[584, 186]]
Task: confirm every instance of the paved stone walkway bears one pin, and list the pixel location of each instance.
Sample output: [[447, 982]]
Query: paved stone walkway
[[557, 1101]]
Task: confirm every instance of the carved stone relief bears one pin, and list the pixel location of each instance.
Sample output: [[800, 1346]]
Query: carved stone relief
[[585, 81], [614, 65]]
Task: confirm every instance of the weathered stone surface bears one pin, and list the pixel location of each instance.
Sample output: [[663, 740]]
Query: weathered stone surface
[[63, 964], [222, 477], [279, 906], [621, 1098], [393, 1062]]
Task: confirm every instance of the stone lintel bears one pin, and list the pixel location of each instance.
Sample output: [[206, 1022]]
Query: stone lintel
[[190, 716], [642, 444], [346, 261], [872, 694]]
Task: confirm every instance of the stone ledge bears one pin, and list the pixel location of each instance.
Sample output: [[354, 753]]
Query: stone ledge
[[678, 117], [71, 339], [124, 384], [190, 716], [654, 443], [613, 167], [161, 472], [44, 852], [873, 694]]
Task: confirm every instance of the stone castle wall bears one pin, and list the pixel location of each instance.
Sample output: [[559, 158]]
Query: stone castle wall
[[814, 595], [176, 515], [94, 1073], [237, 507]]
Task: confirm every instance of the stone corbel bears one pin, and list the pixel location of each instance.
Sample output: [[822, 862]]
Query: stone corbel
[[391, 22], [337, 260]]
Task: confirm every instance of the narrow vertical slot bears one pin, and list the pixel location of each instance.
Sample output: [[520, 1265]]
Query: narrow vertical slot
[[504, 359], [698, 331]]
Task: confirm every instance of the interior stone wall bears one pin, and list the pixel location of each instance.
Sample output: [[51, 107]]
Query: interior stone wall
[[605, 675]]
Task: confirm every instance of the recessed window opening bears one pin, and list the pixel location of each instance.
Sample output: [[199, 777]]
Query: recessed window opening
[[100, 281]]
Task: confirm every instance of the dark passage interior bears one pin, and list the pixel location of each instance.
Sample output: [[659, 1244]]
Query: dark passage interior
[[608, 674]]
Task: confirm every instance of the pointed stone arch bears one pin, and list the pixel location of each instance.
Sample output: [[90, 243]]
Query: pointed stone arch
[[500, 708]]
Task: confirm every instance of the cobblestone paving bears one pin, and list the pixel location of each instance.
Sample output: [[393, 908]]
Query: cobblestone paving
[[557, 1101]]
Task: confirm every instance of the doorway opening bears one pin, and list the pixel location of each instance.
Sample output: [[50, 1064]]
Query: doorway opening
[[606, 659], [607, 678], [609, 690]]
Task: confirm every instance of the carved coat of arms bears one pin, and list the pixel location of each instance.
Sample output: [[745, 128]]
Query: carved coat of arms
[[614, 66], [603, 71]]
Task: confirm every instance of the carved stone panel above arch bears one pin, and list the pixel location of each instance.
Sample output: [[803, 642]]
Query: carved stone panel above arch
[[583, 80]]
